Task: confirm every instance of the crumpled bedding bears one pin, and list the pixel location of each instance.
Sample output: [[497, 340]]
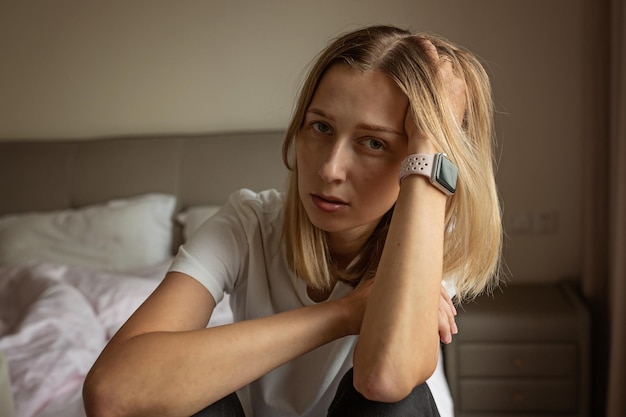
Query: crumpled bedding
[[56, 319], [54, 322]]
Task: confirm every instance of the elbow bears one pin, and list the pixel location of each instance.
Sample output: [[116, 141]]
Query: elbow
[[375, 388], [390, 386], [99, 400]]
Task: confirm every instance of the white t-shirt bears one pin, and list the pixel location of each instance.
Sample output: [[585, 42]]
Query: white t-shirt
[[239, 251]]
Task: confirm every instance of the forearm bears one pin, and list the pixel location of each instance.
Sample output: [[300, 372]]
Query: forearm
[[179, 373], [399, 343]]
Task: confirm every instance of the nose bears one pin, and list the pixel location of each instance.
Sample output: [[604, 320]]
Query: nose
[[334, 165]]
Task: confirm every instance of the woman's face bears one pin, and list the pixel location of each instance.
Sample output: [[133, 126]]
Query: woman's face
[[349, 152]]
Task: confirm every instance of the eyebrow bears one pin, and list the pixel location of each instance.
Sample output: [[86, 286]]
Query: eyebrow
[[365, 126]]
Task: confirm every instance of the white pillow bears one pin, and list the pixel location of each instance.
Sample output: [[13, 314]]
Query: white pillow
[[193, 217], [120, 235]]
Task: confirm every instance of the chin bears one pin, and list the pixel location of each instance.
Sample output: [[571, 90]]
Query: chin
[[325, 224]]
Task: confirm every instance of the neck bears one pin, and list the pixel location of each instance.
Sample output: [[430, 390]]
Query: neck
[[345, 247]]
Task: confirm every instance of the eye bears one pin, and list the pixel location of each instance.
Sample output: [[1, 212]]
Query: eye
[[374, 144], [321, 127]]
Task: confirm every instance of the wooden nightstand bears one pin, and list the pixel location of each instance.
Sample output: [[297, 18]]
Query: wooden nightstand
[[524, 351]]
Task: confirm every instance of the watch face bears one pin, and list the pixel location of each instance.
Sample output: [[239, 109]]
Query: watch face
[[445, 174]]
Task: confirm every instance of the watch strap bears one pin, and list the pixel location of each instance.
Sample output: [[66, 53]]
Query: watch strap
[[421, 164], [439, 170]]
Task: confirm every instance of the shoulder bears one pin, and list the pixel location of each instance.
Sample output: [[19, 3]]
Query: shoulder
[[257, 211], [266, 198], [265, 204]]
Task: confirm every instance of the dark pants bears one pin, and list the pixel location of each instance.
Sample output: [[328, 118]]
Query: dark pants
[[348, 402]]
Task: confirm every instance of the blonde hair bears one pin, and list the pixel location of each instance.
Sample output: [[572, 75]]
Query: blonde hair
[[473, 239]]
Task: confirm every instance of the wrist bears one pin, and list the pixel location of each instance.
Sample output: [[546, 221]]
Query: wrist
[[348, 320], [437, 168]]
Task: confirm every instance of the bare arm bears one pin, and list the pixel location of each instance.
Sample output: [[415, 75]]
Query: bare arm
[[399, 342], [165, 362], [398, 345]]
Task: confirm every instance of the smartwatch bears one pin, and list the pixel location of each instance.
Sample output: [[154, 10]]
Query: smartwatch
[[441, 172]]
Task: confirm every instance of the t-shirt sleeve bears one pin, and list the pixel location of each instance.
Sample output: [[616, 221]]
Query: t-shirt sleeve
[[217, 252]]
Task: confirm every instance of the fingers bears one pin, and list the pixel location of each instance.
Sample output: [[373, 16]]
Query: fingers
[[433, 55], [448, 301], [452, 77], [429, 48], [447, 313]]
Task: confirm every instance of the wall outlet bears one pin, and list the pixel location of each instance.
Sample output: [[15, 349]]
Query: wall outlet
[[534, 222], [545, 222], [520, 223]]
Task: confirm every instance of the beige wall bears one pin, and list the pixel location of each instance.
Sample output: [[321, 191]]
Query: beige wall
[[76, 69]]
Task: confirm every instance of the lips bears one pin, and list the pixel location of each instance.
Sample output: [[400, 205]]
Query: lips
[[328, 203]]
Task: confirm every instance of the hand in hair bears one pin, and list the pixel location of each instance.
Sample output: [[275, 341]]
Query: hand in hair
[[455, 89], [452, 79]]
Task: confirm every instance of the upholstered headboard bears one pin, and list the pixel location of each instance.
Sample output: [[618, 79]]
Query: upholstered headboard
[[58, 174], [200, 169]]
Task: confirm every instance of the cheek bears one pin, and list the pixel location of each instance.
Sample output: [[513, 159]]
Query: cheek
[[301, 153], [310, 160], [381, 190], [303, 164]]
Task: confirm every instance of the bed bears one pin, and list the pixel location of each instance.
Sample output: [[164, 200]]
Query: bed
[[87, 231]]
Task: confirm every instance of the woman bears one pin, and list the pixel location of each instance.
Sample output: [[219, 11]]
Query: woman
[[336, 286]]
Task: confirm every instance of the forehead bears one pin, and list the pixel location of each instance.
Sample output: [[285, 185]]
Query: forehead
[[370, 95]]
